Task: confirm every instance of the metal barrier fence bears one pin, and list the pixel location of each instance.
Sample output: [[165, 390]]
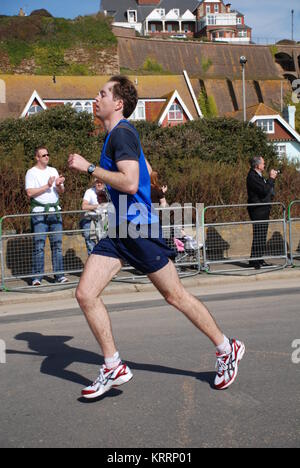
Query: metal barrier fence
[[243, 246], [294, 232], [222, 244], [23, 251]]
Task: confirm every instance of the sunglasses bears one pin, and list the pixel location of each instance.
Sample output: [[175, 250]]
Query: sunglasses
[[44, 155]]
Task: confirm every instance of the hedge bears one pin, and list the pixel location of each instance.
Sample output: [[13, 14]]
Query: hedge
[[204, 161]]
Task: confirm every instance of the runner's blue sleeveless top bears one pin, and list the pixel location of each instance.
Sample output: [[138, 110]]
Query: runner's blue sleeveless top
[[130, 208]]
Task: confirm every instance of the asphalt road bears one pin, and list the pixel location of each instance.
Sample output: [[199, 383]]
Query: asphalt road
[[171, 402]]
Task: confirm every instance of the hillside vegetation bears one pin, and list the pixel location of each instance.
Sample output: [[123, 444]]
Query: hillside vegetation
[[44, 45]]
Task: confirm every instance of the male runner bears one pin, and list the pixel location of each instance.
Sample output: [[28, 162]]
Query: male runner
[[124, 170]]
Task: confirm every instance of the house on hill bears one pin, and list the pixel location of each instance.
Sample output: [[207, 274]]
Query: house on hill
[[216, 21], [170, 102], [210, 19], [280, 131]]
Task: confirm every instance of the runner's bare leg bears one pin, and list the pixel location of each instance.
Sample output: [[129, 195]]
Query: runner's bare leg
[[97, 274], [169, 285]]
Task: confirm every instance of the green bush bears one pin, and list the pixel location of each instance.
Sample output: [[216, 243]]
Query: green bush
[[151, 65], [206, 64], [205, 161]]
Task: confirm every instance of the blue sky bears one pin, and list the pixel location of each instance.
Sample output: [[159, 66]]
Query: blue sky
[[268, 18]]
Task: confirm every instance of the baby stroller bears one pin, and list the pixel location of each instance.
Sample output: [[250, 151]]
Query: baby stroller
[[94, 225], [188, 251]]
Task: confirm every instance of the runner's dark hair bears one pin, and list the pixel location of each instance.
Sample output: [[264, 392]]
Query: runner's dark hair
[[125, 90]]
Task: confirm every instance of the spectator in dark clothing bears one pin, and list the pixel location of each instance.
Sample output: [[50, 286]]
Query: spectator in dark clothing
[[259, 190], [157, 192]]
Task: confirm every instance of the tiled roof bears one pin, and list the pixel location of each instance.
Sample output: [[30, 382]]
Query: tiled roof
[[120, 7], [19, 89], [257, 110]]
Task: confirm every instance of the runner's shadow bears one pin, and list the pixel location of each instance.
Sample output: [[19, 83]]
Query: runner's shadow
[[59, 356]]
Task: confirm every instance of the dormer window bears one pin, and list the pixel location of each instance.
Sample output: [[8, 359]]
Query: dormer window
[[161, 11], [267, 125], [175, 112], [35, 109], [177, 11], [139, 112], [132, 16]]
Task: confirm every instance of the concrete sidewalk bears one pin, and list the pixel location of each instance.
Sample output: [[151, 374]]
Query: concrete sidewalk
[[12, 303]]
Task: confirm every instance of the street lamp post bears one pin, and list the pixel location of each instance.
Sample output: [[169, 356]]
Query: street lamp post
[[243, 62], [292, 25]]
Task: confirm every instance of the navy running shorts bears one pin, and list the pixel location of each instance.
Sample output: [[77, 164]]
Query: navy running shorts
[[145, 254]]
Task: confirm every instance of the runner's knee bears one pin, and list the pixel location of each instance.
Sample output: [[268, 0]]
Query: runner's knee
[[173, 298]]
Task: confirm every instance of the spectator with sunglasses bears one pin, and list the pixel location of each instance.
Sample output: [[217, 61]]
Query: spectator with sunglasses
[[43, 186]]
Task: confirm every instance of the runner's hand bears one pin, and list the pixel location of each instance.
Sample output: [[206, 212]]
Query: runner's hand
[[78, 163]]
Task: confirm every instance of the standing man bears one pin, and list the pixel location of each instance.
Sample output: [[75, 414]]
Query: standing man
[[259, 190], [43, 186], [124, 170]]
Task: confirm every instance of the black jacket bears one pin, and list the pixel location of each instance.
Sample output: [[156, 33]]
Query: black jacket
[[259, 191]]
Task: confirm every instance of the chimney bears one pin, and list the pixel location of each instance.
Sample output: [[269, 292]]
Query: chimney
[[289, 114], [228, 7]]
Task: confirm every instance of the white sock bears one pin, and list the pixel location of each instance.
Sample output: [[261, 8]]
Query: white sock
[[225, 347], [112, 362]]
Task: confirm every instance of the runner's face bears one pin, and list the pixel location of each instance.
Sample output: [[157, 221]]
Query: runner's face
[[105, 103]]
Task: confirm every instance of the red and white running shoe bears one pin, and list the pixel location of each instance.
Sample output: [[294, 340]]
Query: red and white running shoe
[[228, 365], [107, 379]]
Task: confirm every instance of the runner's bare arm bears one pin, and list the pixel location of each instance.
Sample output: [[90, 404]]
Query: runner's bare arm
[[126, 180]]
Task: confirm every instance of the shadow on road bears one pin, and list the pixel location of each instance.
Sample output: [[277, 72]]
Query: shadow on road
[[59, 355]]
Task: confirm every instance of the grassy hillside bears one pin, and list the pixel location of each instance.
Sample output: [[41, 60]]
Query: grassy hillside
[[43, 43]]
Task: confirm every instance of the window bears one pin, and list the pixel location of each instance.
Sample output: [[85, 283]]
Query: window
[[175, 112], [132, 16], [176, 11], [207, 9], [160, 11], [216, 8], [78, 107], [88, 107], [153, 28], [170, 28], [211, 19], [35, 109], [281, 151], [242, 33], [140, 112], [81, 106], [267, 125], [239, 20]]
